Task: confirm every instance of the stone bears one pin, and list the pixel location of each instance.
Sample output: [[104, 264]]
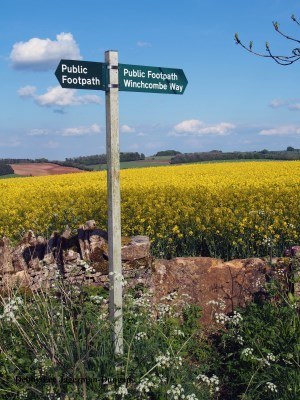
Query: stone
[[6, 265], [67, 233], [137, 248], [19, 279], [89, 225], [18, 261], [98, 248], [49, 259], [71, 256], [210, 282], [35, 264]]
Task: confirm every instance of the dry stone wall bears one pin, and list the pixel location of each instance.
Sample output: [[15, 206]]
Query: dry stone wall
[[213, 284], [83, 258]]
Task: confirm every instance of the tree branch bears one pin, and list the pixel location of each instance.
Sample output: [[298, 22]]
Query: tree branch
[[281, 60]]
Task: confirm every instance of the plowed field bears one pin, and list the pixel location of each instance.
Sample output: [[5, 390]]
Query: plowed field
[[40, 169]]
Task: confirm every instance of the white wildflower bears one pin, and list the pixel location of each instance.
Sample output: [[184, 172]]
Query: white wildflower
[[240, 339], [191, 397], [271, 387], [97, 299], [176, 392], [221, 318], [122, 390], [140, 336], [163, 361], [247, 352], [213, 382], [178, 332], [11, 309], [146, 384], [236, 318], [270, 357]]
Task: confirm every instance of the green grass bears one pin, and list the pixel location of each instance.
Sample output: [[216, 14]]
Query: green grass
[[148, 162], [9, 176]]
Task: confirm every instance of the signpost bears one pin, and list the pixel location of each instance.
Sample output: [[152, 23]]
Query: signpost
[[114, 201], [112, 77]]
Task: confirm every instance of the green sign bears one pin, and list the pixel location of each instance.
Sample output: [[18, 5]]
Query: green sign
[[140, 78], [73, 74]]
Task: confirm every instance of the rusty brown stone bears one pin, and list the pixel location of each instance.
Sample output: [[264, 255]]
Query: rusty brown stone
[[208, 280]]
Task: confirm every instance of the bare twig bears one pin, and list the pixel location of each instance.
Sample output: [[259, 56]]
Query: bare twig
[[279, 59]]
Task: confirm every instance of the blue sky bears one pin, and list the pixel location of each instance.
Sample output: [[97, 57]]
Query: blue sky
[[233, 101]]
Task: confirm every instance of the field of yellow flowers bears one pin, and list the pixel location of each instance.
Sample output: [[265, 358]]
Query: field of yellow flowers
[[224, 209]]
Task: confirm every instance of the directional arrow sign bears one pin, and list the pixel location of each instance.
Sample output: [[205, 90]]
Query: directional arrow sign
[[73, 74], [140, 78]]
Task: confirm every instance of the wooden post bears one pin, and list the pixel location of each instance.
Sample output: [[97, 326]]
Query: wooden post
[[114, 201]]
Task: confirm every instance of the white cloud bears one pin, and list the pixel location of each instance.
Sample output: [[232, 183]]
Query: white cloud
[[44, 54], [294, 107], [291, 104], [127, 129], [142, 134], [198, 128], [82, 130], [283, 130], [27, 91], [73, 131], [141, 43], [38, 132], [276, 103], [57, 96]]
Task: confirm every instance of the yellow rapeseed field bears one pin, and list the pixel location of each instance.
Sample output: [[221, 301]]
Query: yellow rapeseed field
[[222, 209]]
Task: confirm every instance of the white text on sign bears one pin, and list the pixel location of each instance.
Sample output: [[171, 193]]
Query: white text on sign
[[168, 80], [78, 80]]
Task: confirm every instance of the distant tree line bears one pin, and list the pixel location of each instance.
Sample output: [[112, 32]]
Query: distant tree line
[[289, 154], [101, 158], [167, 153], [16, 160], [6, 169], [72, 164]]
